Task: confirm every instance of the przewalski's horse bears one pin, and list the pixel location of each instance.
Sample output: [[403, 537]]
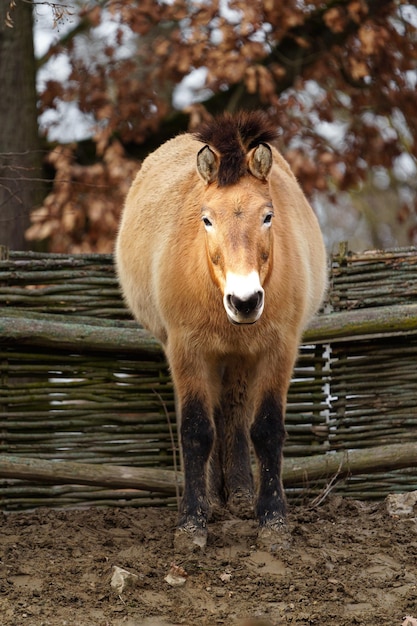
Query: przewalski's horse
[[221, 257]]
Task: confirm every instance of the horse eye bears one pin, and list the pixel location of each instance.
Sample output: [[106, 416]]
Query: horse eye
[[268, 218], [207, 222]]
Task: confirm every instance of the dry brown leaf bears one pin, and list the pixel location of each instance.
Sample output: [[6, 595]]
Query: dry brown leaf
[[358, 68], [334, 19], [369, 39], [357, 10]]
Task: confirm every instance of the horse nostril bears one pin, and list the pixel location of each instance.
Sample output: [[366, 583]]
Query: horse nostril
[[247, 305]]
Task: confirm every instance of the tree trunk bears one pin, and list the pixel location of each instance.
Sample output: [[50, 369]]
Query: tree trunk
[[20, 156]]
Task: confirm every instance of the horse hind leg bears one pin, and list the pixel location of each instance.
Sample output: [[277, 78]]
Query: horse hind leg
[[240, 480], [217, 488], [233, 424]]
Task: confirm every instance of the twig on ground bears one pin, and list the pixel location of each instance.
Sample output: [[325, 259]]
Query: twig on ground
[[327, 489], [174, 448]]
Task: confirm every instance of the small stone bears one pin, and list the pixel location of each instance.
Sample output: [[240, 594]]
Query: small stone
[[177, 576], [122, 579]]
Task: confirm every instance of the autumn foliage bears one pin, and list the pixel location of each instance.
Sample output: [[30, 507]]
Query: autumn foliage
[[311, 65]]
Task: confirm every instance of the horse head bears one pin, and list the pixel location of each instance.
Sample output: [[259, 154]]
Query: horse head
[[237, 219]]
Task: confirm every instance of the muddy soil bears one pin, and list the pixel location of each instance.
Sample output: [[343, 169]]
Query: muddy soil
[[347, 563]]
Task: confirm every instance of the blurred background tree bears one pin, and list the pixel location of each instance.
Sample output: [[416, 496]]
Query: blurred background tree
[[20, 156], [338, 76]]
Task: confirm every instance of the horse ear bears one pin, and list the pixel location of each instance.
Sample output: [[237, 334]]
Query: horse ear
[[207, 164], [260, 161]]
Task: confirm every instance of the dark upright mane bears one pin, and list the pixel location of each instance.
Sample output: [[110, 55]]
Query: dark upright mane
[[232, 136]]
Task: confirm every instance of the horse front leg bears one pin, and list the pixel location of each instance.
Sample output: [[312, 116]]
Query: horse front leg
[[197, 436], [268, 435], [270, 390], [194, 385]]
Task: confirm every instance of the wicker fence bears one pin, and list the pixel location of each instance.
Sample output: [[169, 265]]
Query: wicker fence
[[83, 389]]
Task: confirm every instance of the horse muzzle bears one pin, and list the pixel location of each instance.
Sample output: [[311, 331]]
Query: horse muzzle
[[243, 298]]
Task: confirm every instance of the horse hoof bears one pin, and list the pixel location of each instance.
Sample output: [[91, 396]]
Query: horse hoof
[[274, 535], [190, 538], [240, 504]]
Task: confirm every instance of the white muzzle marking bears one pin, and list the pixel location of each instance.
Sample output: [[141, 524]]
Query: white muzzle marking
[[243, 298]]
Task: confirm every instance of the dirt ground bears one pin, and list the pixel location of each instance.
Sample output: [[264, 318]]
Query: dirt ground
[[347, 563]]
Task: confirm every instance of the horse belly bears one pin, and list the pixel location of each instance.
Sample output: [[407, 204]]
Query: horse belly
[[135, 268]]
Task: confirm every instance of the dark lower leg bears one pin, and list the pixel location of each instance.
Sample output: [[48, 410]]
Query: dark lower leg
[[231, 480], [237, 472], [217, 493], [268, 436], [239, 479], [197, 435]]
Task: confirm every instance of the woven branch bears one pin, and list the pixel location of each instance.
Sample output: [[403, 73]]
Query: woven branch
[[299, 471], [79, 388], [27, 328]]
